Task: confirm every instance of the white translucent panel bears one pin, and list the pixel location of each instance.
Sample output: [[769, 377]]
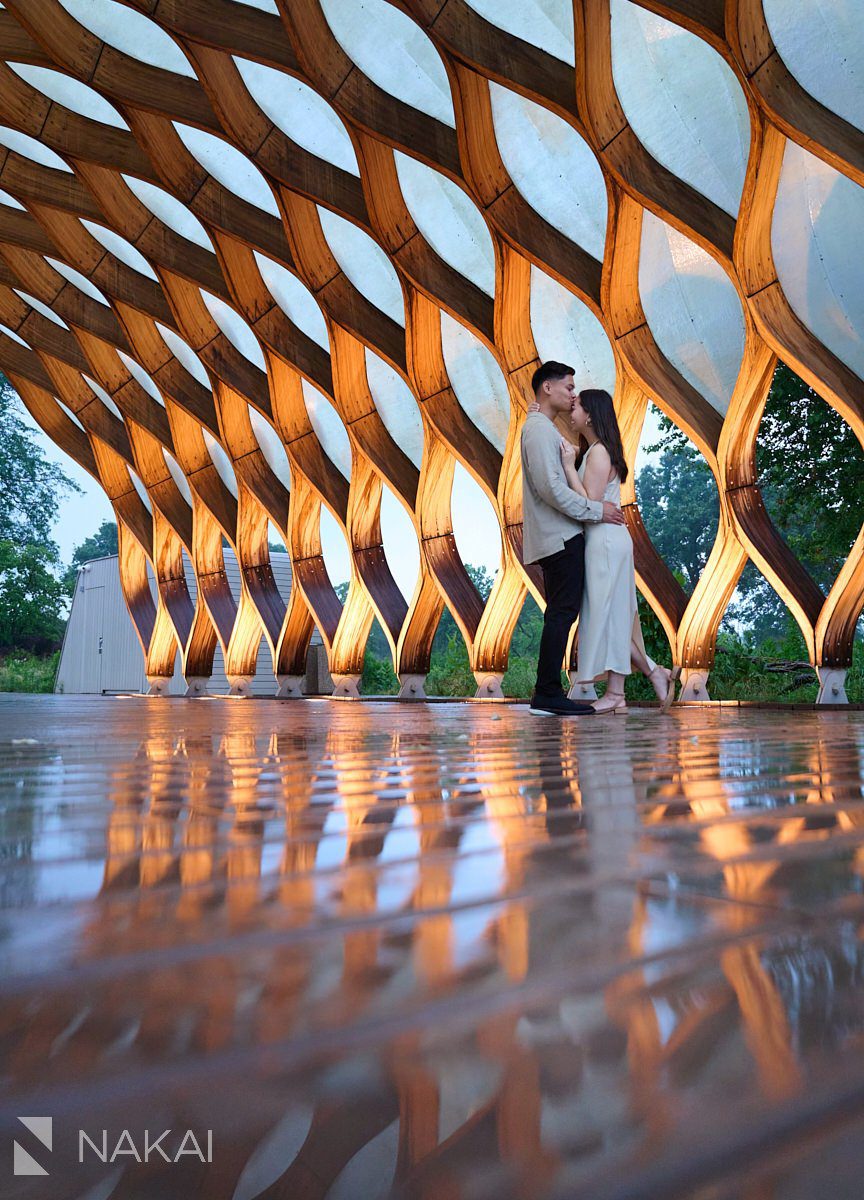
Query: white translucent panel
[[140, 489], [268, 6], [30, 148], [184, 353], [401, 548], [334, 548], [77, 280], [235, 329], [822, 44], [375, 1160], [553, 168], [295, 299], [397, 407], [178, 477], [41, 308], [285, 1139], [567, 331], [16, 337], [103, 396], [547, 24], [120, 248], [229, 167], [816, 237], [71, 93], [70, 413], [394, 52], [299, 112], [477, 380], [448, 220], [170, 211], [10, 201], [475, 526], [271, 446], [692, 310], [329, 428], [142, 378], [365, 264], [130, 32], [221, 461], [683, 102]]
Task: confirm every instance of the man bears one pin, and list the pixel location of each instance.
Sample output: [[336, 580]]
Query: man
[[552, 525]]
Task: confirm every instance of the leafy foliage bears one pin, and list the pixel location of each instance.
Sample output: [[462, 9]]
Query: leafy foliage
[[810, 468], [811, 473], [100, 544], [450, 673], [378, 678], [679, 505], [23, 672], [31, 487], [32, 596]]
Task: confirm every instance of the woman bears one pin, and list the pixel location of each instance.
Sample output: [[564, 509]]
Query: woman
[[610, 635]]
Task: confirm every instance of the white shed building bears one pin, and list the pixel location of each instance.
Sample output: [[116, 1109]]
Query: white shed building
[[101, 653]]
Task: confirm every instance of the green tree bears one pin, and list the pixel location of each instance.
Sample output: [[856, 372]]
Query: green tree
[[31, 487], [810, 468], [811, 471], [450, 673], [101, 544], [679, 505], [447, 626], [378, 678], [31, 597]]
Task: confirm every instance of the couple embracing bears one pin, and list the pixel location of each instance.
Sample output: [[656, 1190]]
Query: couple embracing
[[574, 528]]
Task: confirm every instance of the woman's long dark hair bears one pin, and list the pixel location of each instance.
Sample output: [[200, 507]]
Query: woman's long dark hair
[[599, 407]]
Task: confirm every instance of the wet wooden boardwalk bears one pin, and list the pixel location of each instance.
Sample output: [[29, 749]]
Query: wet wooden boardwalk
[[442, 952]]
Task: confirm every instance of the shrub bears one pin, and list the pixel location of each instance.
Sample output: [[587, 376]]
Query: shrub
[[378, 678], [520, 677], [23, 672], [451, 674]]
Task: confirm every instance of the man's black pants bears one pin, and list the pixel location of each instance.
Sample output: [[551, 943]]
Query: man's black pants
[[563, 581]]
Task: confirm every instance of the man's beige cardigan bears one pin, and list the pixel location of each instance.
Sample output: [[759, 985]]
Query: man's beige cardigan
[[552, 512]]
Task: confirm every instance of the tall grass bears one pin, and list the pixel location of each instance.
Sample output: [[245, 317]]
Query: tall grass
[[24, 672]]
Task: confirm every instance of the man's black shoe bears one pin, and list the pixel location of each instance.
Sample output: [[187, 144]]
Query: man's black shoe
[[558, 706]]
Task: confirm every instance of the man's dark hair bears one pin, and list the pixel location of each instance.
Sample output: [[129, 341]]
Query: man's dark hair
[[549, 370]]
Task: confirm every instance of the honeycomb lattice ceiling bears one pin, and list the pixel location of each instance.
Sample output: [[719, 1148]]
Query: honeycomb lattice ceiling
[[260, 257]]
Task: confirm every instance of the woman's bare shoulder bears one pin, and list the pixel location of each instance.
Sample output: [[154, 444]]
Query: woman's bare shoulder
[[600, 456]]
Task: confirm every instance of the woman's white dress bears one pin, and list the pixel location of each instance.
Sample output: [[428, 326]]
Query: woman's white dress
[[609, 617]]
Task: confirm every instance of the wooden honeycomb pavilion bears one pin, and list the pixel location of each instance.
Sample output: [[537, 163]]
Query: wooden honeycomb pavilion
[[259, 258]]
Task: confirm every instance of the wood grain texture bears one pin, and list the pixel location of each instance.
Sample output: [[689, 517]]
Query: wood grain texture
[[136, 411]]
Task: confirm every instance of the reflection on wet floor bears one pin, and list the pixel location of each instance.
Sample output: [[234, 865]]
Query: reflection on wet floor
[[432, 951]]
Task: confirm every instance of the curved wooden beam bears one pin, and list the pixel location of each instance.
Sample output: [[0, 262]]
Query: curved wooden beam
[[177, 418]]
